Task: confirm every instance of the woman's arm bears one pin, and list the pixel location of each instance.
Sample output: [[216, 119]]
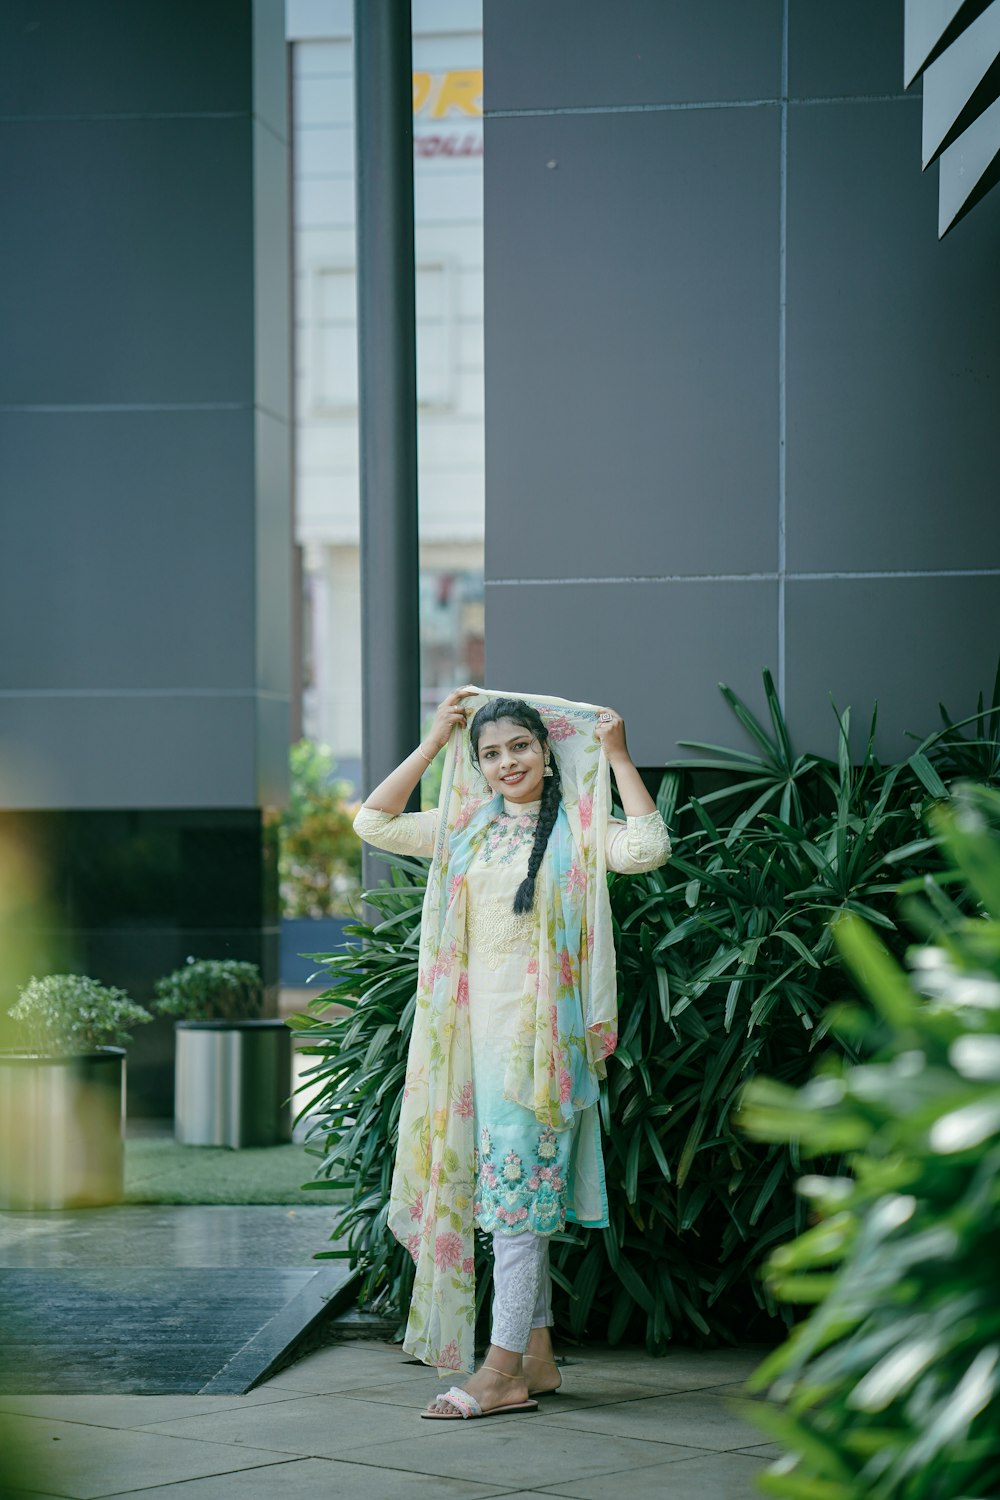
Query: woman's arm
[[381, 820], [642, 842], [392, 794], [635, 800]]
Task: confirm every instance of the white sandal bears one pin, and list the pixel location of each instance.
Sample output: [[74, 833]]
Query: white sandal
[[466, 1406]]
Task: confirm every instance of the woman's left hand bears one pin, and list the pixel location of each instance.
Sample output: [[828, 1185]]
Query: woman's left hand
[[611, 734]]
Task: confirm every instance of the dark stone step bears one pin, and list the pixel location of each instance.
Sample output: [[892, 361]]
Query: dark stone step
[[134, 1329]]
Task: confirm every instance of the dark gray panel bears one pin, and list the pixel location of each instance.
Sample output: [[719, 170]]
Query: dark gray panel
[[631, 343], [274, 553], [839, 47], [655, 652], [127, 550], [893, 353], [128, 751], [272, 277], [907, 643], [587, 52], [64, 57], [126, 271]]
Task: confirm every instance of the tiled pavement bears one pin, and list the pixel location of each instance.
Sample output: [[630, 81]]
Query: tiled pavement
[[343, 1422]]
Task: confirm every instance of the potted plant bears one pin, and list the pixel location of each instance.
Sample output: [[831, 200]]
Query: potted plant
[[233, 1079], [62, 1094]]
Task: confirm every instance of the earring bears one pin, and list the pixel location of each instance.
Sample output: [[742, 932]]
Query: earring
[[548, 770]]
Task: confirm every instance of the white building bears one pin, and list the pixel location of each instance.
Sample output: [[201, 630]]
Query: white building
[[448, 144]]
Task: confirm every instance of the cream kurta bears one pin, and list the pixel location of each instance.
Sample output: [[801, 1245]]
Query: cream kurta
[[528, 1176]]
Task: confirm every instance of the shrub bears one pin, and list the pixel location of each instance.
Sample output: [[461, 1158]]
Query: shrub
[[319, 853], [71, 1015], [211, 989], [726, 969], [890, 1390]]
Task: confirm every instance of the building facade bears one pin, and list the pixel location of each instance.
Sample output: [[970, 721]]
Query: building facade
[[741, 402]]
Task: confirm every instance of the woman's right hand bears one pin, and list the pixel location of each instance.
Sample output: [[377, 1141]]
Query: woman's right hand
[[449, 713]]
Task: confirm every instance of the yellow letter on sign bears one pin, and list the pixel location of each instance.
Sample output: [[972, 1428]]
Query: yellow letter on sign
[[461, 89]]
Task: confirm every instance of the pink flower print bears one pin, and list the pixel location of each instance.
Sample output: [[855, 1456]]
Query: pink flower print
[[532, 966], [469, 1265], [609, 1042], [448, 1250], [559, 727], [448, 1357], [417, 1209], [468, 809], [554, 1023], [576, 880], [454, 885], [462, 994], [585, 808], [565, 967], [533, 1183], [565, 1086], [413, 1245], [464, 1108], [435, 1174], [590, 941]]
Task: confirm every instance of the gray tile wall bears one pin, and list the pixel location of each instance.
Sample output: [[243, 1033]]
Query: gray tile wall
[[144, 406], [741, 404]]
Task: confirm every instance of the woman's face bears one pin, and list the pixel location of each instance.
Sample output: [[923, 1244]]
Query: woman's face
[[512, 760]]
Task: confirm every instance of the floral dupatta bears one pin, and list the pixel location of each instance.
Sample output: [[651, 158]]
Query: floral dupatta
[[567, 1022]]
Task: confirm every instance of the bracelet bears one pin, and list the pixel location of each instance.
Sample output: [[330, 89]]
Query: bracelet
[[428, 758]]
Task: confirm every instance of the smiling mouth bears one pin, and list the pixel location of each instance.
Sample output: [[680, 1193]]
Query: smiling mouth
[[510, 780]]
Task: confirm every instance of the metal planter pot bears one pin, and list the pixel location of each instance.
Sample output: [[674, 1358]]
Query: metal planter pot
[[62, 1130], [233, 1083]]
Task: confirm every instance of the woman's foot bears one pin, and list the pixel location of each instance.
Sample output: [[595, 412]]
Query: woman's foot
[[541, 1368], [492, 1385]]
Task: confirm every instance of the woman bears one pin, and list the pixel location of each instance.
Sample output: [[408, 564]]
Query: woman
[[516, 1010]]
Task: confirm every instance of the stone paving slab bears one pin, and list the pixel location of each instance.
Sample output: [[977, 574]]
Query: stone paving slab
[[499, 1448], [315, 1479], [79, 1461], [346, 1367], [308, 1426], [698, 1418], [712, 1476], [133, 1411]]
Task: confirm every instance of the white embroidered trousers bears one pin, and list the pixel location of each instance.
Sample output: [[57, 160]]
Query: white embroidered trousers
[[522, 1289]]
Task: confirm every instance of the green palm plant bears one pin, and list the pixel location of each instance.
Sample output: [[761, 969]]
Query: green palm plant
[[726, 969], [890, 1389]]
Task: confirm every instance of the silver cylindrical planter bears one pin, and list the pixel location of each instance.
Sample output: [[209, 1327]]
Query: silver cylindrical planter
[[233, 1083], [62, 1130]]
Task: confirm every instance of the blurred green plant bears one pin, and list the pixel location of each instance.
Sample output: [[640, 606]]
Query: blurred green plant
[[211, 989], [726, 969], [319, 862], [69, 1015], [890, 1390]]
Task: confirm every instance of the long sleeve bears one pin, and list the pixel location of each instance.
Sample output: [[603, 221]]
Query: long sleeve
[[640, 843], [399, 833]]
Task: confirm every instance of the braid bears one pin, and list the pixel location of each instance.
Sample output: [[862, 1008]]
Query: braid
[[529, 718], [524, 898]]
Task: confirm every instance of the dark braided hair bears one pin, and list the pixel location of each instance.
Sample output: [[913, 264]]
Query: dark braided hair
[[529, 718]]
